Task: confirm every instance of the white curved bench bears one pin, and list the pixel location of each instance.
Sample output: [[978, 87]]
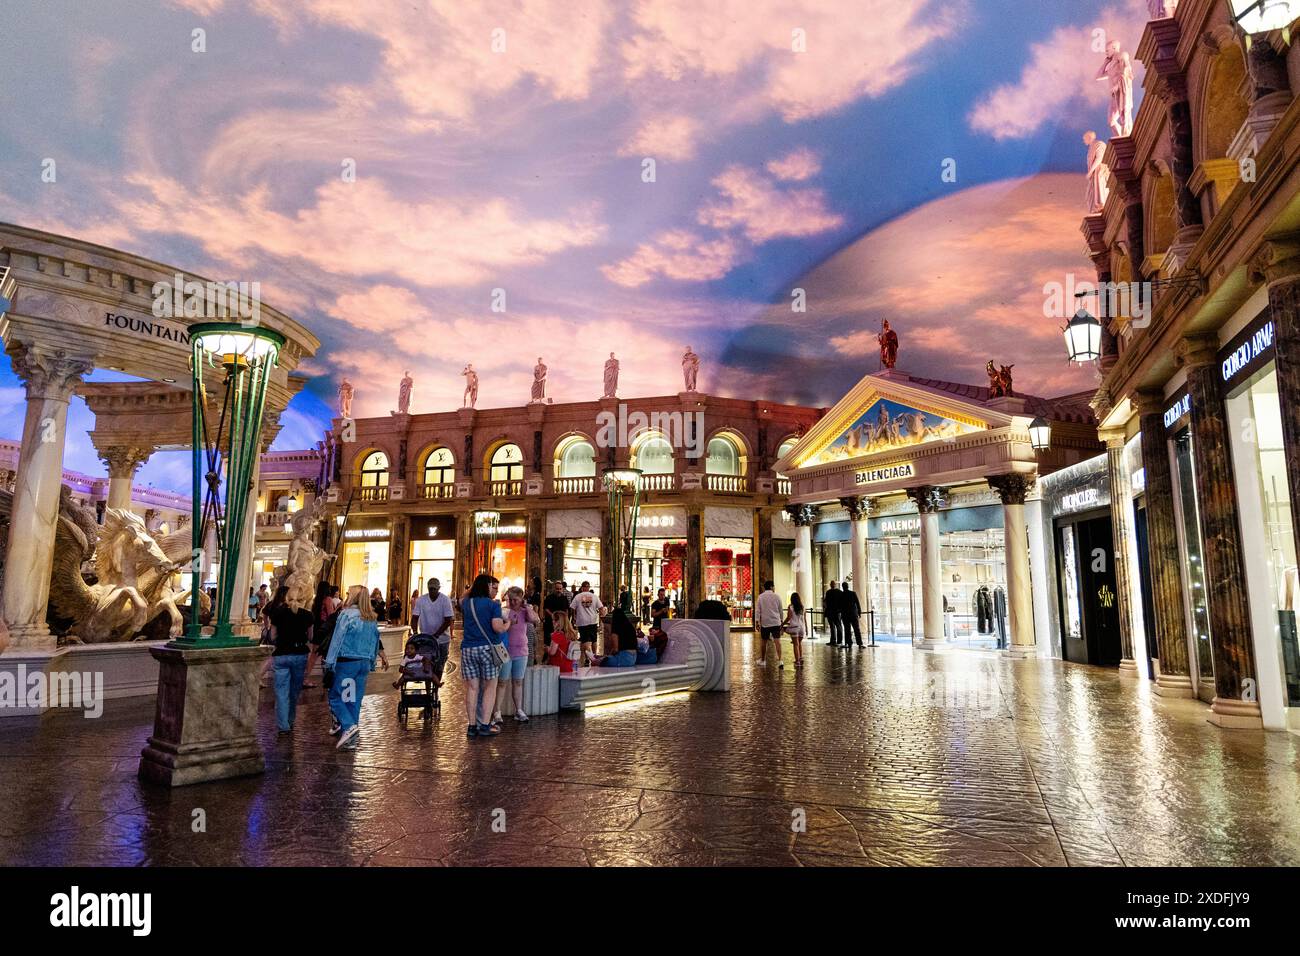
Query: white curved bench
[[696, 658]]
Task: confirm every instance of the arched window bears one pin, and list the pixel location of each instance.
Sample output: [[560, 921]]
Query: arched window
[[654, 456], [577, 459], [723, 457], [439, 467], [507, 464], [374, 470], [784, 450]]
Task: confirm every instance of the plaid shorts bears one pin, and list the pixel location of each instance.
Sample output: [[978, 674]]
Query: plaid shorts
[[479, 663]]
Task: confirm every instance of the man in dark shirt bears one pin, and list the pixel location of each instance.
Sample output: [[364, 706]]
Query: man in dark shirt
[[659, 609], [556, 600], [850, 611], [832, 609]]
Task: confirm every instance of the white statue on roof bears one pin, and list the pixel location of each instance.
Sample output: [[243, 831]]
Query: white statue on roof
[[1098, 173], [1162, 9], [1117, 70]]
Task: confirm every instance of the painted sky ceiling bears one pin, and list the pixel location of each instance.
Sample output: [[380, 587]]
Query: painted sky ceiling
[[502, 146]]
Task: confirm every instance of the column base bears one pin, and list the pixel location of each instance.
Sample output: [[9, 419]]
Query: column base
[[17, 665], [1022, 651], [32, 637], [1236, 714], [1128, 667], [205, 723], [934, 643], [1174, 685]]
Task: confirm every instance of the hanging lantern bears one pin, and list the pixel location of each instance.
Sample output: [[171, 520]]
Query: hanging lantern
[[1261, 16], [1040, 434], [1083, 337]]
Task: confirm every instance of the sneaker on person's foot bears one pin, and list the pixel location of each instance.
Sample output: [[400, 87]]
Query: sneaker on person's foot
[[521, 717], [497, 719], [335, 727], [348, 740]]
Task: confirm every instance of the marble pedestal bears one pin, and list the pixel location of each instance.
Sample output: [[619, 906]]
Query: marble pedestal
[[205, 724], [1174, 685], [1022, 651], [1236, 714], [18, 664]]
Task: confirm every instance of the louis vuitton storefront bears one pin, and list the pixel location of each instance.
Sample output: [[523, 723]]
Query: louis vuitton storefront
[[920, 495]]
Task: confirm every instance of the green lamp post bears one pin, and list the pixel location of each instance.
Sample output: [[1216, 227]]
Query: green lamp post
[[623, 487], [245, 356]]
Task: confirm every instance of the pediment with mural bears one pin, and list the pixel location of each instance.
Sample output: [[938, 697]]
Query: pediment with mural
[[887, 425]]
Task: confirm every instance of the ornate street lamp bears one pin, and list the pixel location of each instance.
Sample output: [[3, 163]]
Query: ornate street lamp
[[229, 446], [1040, 434], [485, 539], [623, 488], [1261, 16], [1083, 337]]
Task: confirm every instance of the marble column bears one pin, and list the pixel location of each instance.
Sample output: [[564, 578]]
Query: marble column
[[1121, 527], [1041, 572], [764, 558], [1236, 681], [1169, 623], [535, 555], [859, 510], [1270, 88], [1012, 489], [694, 584], [929, 500], [239, 618], [123, 461], [803, 516], [49, 378], [1187, 205]]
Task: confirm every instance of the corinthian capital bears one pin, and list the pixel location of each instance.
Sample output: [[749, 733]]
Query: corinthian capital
[[123, 461], [929, 499], [1011, 488], [48, 373], [803, 515], [857, 507]]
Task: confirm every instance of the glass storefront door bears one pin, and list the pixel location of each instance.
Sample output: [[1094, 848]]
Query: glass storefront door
[[1193, 569], [894, 568], [1259, 460], [365, 562], [729, 577], [432, 559]]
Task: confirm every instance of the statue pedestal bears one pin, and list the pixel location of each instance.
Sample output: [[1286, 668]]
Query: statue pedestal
[[205, 723], [19, 667]]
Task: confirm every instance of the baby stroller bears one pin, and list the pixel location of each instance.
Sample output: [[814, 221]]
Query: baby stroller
[[421, 694]]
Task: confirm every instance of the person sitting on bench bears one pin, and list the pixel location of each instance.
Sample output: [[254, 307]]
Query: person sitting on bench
[[624, 633]]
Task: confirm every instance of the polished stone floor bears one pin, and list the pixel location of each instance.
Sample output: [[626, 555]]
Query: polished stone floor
[[866, 757]]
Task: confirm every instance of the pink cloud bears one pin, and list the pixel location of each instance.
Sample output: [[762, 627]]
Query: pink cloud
[[361, 229], [811, 58], [751, 202], [1061, 75], [796, 166], [675, 254], [669, 137]]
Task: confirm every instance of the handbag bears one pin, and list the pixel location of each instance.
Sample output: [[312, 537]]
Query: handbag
[[499, 649]]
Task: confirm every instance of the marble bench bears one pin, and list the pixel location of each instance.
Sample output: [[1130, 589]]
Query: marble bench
[[696, 659]]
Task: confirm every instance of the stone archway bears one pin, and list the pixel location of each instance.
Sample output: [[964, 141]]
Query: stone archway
[[70, 307]]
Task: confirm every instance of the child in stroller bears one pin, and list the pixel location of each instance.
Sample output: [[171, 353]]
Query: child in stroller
[[419, 682]]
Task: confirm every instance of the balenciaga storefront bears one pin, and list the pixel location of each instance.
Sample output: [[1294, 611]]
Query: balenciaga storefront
[[921, 497]]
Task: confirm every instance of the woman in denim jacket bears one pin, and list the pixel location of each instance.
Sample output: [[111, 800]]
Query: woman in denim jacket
[[351, 657]]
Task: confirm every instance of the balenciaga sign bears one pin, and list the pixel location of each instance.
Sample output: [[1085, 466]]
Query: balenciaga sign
[[874, 476]]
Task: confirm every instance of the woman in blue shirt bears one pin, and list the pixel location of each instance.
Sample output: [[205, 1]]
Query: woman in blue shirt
[[482, 620], [351, 657]]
